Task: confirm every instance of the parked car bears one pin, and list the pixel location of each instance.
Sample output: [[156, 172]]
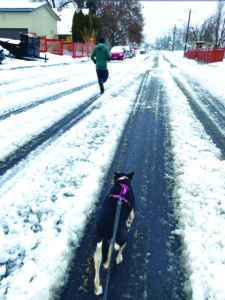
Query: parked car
[[129, 53], [132, 52], [135, 51], [126, 49], [117, 53], [142, 51]]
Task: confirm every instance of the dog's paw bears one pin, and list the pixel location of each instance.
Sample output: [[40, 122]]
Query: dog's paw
[[119, 259], [117, 247], [106, 266], [98, 291]]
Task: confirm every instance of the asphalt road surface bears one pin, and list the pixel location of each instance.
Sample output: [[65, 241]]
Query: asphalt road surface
[[151, 267]]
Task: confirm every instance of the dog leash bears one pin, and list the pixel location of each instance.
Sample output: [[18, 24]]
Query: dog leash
[[117, 217], [121, 198]]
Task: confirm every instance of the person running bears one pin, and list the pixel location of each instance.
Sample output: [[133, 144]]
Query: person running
[[100, 56]]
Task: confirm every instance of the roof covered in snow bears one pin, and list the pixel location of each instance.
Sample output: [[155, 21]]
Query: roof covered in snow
[[23, 7], [20, 6], [66, 16]]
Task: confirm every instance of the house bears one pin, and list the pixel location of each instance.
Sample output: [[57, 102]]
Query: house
[[28, 17]]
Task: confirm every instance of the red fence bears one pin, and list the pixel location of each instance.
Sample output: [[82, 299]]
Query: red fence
[[209, 55], [65, 48]]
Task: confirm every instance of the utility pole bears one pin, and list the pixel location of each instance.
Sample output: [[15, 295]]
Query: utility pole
[[189, 17]]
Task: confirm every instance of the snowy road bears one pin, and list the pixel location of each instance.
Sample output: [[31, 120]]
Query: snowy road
[[162, 115], [207, 108], [151, 268]]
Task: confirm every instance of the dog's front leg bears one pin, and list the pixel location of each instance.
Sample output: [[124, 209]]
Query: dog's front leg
[[97, 261], [119, 257]]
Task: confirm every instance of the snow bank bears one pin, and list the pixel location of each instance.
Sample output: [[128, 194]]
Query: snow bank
[[199, 193]]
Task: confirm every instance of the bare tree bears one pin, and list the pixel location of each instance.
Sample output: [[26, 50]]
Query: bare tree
[[222, 33], [197, 33], [211, 31], [215, 26], [164, 43], [122, 20], [220, 24], [60, 4]]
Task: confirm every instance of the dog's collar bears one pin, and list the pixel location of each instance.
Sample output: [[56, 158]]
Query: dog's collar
[[122, 178]]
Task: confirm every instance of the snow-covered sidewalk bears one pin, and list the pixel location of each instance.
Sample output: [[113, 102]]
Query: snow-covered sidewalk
[[199, 195]]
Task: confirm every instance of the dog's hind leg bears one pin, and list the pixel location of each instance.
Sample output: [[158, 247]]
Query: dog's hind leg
[[97, 262], [106, 264], [130, 220], [119, 257]]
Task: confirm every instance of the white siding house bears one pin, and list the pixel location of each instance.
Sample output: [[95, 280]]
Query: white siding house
[[37, 18]]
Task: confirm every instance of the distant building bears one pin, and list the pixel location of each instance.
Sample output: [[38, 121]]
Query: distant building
[[65, 25], [17, 17]]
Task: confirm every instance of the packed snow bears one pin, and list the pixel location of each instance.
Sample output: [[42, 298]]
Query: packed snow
[[46, 199], [199, 193]]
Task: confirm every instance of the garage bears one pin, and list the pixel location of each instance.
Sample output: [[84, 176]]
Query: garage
[[12, 33]]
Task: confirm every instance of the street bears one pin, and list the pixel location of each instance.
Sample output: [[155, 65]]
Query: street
[[151, 267], [61, 136]]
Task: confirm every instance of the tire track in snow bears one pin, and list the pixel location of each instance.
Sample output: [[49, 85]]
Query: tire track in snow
[[79, 285], [51, 98], [51, 133], [209, 111], [40, 66], [45, 100], [8, 84], [58, 128], [9, 87], [211, 118], [150, 269], [215, 107], [154, 270]]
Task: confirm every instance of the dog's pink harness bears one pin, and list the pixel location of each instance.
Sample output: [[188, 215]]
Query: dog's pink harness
[[122, 193]]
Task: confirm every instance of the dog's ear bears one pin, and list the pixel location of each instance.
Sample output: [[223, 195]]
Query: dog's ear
[[130, 176], [117, 175]]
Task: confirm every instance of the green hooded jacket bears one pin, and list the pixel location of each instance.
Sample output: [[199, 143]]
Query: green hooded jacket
[[102, 55]]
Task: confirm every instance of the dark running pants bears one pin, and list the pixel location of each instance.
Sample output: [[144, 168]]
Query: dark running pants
[[102, 75]]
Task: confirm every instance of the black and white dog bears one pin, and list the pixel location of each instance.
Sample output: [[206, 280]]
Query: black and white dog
[[105, 224]]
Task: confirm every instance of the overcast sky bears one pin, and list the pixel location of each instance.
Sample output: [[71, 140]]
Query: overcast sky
[[161, 16]]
